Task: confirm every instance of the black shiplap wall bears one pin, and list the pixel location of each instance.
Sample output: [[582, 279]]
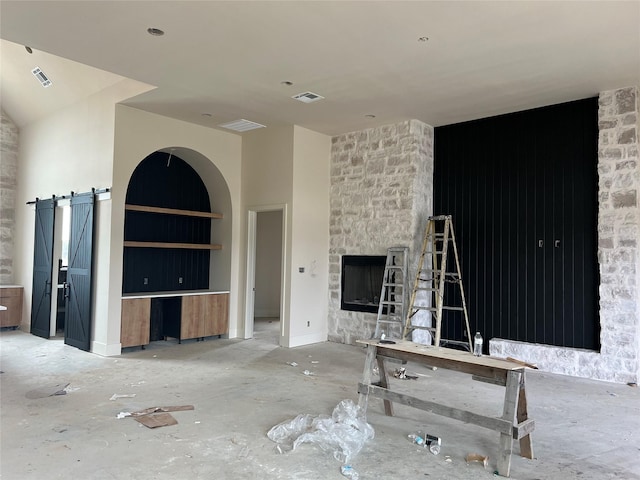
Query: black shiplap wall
[[170, 183], [510, 182]]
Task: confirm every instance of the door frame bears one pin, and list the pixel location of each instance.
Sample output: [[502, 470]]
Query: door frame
[[252, 221]]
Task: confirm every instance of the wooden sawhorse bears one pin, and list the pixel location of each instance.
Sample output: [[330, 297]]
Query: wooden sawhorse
[[514, 423]]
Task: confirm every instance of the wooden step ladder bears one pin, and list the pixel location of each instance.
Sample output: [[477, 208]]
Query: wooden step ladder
[[431, 276], [392, 308]]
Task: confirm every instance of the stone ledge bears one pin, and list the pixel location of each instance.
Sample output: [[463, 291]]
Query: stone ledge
[[576, 362]]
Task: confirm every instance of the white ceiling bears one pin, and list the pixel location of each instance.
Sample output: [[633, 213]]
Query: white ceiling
[[228, 59]]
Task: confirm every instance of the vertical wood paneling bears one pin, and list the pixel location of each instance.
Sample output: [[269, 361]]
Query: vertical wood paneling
[[159, 182], [509, 182], [42, 267], [79, 273]]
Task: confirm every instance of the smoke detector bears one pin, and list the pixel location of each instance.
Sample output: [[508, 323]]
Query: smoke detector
[[308, 97], [39, 74], [241, 125]]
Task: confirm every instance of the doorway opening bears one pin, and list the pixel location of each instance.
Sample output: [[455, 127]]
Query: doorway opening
[[265, 274]]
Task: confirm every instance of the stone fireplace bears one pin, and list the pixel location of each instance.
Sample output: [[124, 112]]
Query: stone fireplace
[[381, 197]]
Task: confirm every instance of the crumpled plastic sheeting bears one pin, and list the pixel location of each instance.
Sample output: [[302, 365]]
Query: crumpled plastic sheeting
[[345, 431]]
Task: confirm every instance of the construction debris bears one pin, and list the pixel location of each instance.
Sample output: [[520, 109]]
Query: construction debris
[[155, 417], [344, 432], [48, 391], [476, 457], [116, 396], [401, 373]]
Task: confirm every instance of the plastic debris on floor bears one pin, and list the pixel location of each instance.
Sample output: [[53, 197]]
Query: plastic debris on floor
[[344, 432]]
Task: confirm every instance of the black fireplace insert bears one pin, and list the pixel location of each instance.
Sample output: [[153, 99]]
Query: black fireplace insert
[[361, 282]]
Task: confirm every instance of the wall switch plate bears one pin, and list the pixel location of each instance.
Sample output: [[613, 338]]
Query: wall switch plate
[[180, 280], [301, 269], [145, 281]]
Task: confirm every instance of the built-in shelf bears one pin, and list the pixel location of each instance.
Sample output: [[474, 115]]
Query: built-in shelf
[[172, 211], [190, 246]]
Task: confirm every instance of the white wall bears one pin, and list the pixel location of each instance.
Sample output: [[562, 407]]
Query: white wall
[[267, 179], [310, 237], [70, 150]]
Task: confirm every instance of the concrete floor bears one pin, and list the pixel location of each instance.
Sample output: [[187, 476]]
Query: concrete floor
[[240, 389]]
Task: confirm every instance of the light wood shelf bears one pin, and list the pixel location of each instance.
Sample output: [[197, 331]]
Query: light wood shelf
[[187, 246], [171, 211]]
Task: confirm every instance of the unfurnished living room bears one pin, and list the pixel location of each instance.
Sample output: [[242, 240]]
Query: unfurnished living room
[[319, 239]]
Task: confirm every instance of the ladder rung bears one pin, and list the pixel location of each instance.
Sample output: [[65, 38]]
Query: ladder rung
[[387, 302], [399, 320], [426, 289], [422, 327], [433, 309]]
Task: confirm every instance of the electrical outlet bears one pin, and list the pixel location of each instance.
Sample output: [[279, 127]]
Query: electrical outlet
[[145, 281], [308, 324], [180, 280]]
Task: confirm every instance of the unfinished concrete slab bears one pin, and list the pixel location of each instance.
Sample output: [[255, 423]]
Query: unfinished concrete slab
[[241, 388]]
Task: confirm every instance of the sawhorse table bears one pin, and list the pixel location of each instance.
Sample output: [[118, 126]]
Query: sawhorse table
[[514, 423]]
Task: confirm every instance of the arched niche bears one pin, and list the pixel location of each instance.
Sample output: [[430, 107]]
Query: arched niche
[[178, 178]]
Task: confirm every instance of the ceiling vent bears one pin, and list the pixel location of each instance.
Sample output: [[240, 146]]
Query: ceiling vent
[[39, 74], [308, 97], [242, 125]]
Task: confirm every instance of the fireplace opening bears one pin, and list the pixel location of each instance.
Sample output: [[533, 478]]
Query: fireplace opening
[[361, 282]]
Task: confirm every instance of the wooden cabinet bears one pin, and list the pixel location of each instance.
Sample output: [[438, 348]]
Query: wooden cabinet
[[135, 323], [11, 297], [201, 315], [204, 315]]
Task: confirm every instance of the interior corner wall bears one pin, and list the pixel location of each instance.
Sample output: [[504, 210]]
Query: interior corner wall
[[267, 179], [211, 153], [8, 185], [69, 150], [310, 237], [618, 255]]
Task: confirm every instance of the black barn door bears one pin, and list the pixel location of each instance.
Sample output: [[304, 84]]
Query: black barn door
[[78, 309], [42, 268]]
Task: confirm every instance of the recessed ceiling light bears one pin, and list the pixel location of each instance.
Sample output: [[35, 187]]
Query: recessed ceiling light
[[423, 39], [156, 32], [370, 116], [241, 125], [28, 49], [286, 83]]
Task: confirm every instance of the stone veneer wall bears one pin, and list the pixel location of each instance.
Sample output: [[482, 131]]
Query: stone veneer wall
[[8, 185], [381, 196], [618, 256]]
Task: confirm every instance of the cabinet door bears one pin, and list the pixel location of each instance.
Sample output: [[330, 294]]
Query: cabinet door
[[216, 315], [12, 299], [191, 323], [135, 322]]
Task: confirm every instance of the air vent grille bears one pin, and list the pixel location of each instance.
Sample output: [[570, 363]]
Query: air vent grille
[[42, 78], [241, 125], [308, 97]]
